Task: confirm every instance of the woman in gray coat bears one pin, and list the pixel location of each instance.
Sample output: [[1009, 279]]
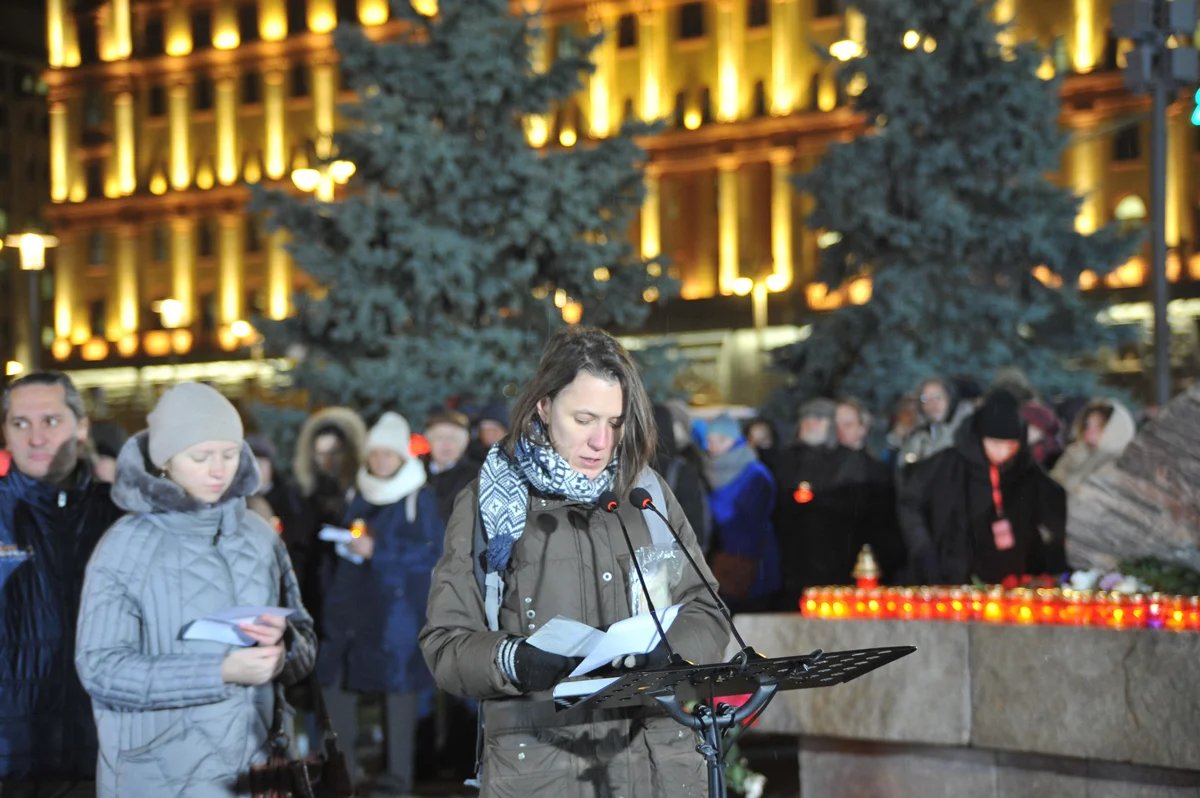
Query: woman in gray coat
[[175, 716]]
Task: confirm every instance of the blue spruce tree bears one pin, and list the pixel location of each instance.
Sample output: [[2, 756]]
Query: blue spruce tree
[[945, 203], [441, 266]]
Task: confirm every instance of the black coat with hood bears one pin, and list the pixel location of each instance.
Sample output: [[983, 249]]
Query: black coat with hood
[[946, 514]]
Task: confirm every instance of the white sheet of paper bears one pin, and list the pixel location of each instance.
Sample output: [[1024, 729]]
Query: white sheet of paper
[[636, 635], [566, 637], [222, 627], [568, 692], [335, 534]]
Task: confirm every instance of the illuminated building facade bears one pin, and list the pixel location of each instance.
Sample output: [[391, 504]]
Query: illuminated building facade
[[161, 110]]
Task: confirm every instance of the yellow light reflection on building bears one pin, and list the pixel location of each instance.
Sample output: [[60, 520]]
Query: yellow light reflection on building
[[426, 8], [123, 135], [125, 284], [225, 93], [59, 152], [179, 29], [781, 221], [567, 137], [272, 20], [55, 37], [731, 35], [322, 16], [225, 34], [183, 266], [537, 130], [205, 178], [178, 123], [279, 276], [651, 52], [373, 12], [324, 87], [66, 288], [784, 21], [604, 58], [117, 42], [911, 40], [273, 124], [859, 290], [727, 224], [1083, 51], [651, 244], [229, 268]]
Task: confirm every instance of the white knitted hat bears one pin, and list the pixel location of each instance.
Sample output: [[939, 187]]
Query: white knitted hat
[[392, 432]]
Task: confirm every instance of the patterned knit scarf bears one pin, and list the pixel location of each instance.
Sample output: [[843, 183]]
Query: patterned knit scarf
[[504, 485]]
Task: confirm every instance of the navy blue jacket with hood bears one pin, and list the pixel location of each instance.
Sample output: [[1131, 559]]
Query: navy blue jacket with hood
[[47, 534]]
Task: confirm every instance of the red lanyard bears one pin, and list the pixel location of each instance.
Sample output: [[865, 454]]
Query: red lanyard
[[997, 497]]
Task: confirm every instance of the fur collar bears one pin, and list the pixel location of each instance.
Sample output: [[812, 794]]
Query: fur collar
[[379, 492], [351, 426], [140, 489]]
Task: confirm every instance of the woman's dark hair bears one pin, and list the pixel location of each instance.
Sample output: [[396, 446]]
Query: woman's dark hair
[[586, 349]]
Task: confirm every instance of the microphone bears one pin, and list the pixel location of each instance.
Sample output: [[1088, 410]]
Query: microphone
[[642, 499], [609, 502]]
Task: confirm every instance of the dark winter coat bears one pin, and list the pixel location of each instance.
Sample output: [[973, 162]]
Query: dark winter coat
[[571, 560], [47, 534], [946, 514], [832, 501], [374, 611], [168, 724], [447, 484], [685, 478]]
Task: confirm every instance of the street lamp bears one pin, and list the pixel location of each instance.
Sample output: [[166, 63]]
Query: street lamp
[[31, 249], [322, 178]]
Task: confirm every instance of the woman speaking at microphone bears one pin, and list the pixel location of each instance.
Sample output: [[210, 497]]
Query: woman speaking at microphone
[[582, 426]]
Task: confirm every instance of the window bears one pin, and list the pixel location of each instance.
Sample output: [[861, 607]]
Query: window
[[760, 99], [251, 87], [96, 316], [677, 118], [159, 243], [204, 239], [94, 177], [299, 81], [346, 10], [826, 8], [3, 116], [691, 21], [627, 31], [96, 247], [156, 101], [201, 29], [627, 114], [5, 164], [705, 105], [202, 94], [153, 42], [253, 235], [757, 14], [297, 21], [247, 16], [89, 52], [1127, 144]]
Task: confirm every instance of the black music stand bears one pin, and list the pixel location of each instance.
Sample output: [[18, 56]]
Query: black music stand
[[673, 685]]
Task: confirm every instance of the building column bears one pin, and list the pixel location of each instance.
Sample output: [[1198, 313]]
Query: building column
[[66, 284], [183, 266], [727, 224], [279, 276], [229, 268], [225, 100], [274, 151], [322, 16], [1086, 164], [652, 48], [600, 84], [1180, 180], [123, 139], [225, 33], [116, 41], [56, 16], [179, 133], [1086, 40], [272, 20], [178, 29], [374, 12], [785, 28], [731, 44], [651, 220], [324, 100], [781, 219], [60, 150], [123, 308]]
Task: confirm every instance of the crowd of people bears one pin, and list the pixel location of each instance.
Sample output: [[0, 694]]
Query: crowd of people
[[99, 579]]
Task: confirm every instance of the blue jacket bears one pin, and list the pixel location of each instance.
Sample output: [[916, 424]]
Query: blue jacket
[[47, 534], [741, 511], [374, 611]]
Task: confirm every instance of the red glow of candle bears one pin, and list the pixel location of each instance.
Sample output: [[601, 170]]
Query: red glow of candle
[[803, 493]]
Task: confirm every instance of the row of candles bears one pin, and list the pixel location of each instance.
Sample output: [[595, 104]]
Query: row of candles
[[1059, 606]]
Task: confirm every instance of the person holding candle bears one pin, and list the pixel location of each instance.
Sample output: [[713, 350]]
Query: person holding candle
[[983, 508]]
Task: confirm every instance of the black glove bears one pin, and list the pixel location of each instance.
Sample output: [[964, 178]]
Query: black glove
[[658, 656], [530, 668]]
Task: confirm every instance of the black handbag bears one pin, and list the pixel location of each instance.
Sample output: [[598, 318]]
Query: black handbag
[[323, 774]]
